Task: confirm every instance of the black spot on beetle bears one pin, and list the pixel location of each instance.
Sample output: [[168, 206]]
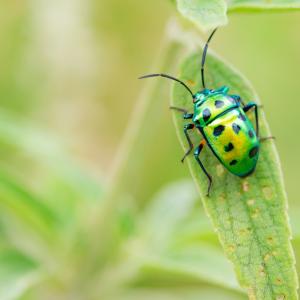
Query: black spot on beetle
[[253, 151], [236, 128], [218, 130], [229, 147], [206, 114], [233, 162], [219, 103], [250, 133], [242, 117]]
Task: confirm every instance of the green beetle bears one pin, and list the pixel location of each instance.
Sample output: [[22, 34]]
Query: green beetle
[[221, 118]]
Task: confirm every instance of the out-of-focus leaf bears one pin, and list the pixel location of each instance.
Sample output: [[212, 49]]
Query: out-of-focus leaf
[[190, 266], [170, 206], [24, 207], [17, 273], [263, 5], [248, 214], [163, 256], [47, 150], [206, 14], [193, 292], [209, 14]]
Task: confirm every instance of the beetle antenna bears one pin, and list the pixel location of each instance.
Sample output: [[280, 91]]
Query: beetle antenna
[[204, 57], [169, 77]]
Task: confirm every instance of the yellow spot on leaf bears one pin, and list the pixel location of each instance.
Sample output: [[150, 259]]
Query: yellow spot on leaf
[[268, 193], [221, 198], [251, 294], [262, 271], [270, 240], [280, 297], [244, 231], [278, 281], [267, 257], [255, 213], [231, 248], [220, 170], [251, 202], [245, 186], [191, 82]]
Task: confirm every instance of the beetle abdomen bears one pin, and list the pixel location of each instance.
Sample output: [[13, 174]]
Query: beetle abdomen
[[233, 140]]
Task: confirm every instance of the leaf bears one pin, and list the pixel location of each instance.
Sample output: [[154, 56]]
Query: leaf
[[209, 14], [46, 149], [249, 214], [17, 273], [172, 204], [193, 292], [263, 5], [193, 265], [206, 14], [18, 203], [167, 256]]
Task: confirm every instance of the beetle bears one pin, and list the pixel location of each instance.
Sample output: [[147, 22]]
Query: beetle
[[222, 120]]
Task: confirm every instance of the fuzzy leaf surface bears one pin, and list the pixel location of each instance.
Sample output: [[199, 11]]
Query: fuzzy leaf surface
[[249, 215]]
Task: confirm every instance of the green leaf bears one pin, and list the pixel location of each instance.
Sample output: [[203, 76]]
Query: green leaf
[[192, 266], [46, 149], [192, 292], [17, 273], [172, 204], [20, 205], [167, 256], [209, 14], [206, 14], [263, 5], [249, 214]]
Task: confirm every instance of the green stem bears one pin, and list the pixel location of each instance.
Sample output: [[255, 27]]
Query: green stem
[[149, 104]]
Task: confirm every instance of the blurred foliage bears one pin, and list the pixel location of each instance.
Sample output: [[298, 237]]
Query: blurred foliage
[[261, 5], [209, 14], [67, 89], [206, 14]]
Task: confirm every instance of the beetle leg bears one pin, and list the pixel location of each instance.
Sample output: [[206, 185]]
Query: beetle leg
[[186, 115], [249, 106], [239, 99], [196, 154], [191, 146]]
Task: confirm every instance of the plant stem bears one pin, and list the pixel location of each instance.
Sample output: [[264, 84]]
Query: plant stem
[[148, 105]]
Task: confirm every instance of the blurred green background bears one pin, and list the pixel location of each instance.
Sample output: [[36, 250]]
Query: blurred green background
[[68, 86]]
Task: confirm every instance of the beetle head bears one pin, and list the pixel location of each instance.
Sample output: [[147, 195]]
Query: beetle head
[[201, 96]]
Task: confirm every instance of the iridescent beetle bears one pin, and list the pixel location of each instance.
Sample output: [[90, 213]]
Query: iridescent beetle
[[221, 118]]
